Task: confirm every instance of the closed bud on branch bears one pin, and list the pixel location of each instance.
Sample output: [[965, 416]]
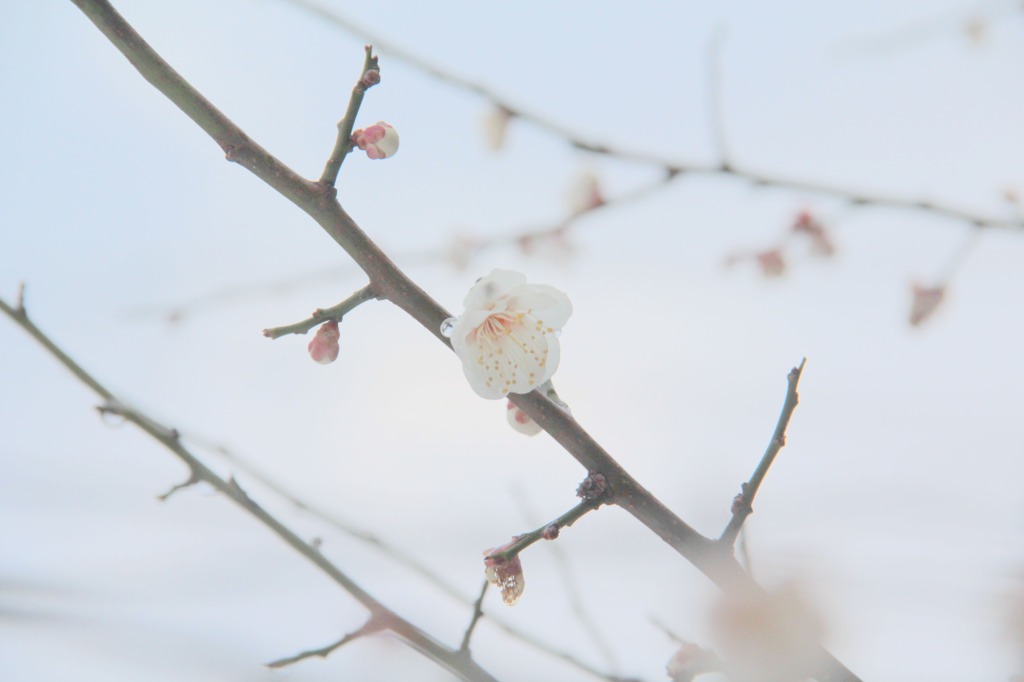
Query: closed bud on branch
[[505, 574], [772, 263], [925, 302], [690, 661], [520, 421], [379, 141], [370, 78], [324, 346]]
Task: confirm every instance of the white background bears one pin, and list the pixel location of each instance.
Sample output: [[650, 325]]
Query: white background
[[896, 504]]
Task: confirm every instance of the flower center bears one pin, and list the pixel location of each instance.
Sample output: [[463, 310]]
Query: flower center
[[498, 325]]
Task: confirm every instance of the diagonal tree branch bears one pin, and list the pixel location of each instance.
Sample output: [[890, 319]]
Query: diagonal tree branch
[[725, 167], [396, 554], [380, 615], [320, 203], [743, 504]]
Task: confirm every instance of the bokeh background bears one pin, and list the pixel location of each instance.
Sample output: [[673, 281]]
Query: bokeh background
[[895, 506]]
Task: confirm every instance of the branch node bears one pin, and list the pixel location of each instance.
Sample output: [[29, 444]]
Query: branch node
[[193, 479], [595, 489], [19, 301]]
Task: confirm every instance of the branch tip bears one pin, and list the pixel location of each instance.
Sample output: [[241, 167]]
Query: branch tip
[[372, 625], [192, 480]]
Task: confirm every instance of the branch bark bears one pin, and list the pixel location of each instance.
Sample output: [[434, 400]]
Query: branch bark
[[320, 203], [380, 616]]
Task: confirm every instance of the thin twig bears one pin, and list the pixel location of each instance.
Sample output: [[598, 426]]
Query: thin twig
[[674, 167], [193, 479], [343, 145], [716, 94], [959, 256], [321, 315], [743, 504], [392, 552], [571, 587], [417, 639], [391, 283], [368, 628], [478, 612], [548, 531]]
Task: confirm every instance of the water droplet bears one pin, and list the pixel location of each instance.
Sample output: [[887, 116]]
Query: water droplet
[[557, 333], [448, 326]]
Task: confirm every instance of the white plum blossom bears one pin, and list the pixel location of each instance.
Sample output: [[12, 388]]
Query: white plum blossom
[[507, 338]]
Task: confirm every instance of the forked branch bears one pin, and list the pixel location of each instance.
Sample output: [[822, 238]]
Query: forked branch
[[389, 282], [457, 662]]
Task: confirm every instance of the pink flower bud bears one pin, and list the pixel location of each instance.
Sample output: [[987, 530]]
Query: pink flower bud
[[806, 224], [379, 141], [505, 574], [324, 346], [771, 262], [520, 421], [370, 78], [690, 661], [925, 302]]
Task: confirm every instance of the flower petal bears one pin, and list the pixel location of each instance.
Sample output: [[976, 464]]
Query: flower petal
[[516, 362], [547, 303], [489, 288]]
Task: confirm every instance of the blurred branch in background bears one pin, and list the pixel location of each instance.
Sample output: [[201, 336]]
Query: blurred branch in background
[[394, 553], [319, 201], [589, 196], [380, 616]]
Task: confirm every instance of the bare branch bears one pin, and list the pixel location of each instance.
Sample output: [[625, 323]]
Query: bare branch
[[743, 504], [370, 627], [727, 169], [458, 664], [594, 494], [478, 613], [390, 283], [192, 480], [395, 554], [716, 105], [572, 592], [369, 77], [321, 315]]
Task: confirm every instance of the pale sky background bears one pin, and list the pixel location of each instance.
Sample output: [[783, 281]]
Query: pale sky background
[[896, 504]]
